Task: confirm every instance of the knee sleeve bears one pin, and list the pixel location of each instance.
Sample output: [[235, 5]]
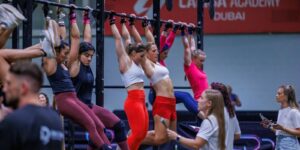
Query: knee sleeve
[[119, 129]]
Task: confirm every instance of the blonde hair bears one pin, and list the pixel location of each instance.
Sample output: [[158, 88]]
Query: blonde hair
[[198, 52], [217, 109]]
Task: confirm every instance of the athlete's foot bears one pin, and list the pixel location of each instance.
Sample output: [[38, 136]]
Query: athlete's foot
[[12, 15], [47, 48], [51, 33]]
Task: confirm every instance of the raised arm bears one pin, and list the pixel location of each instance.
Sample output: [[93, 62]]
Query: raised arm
[[133, 31], [123, 58], [125, 33], [73, 60], [163, 36], [87, 33], [187, 50], [172, 34], [148, 33], [61, 23], [191, 37], [147, 67]]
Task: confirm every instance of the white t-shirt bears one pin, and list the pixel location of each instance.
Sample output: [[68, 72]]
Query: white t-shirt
[[209, 131], [289, 118], [232, 127]]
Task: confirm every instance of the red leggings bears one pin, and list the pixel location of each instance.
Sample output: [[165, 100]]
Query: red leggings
[[164, 107], [137, 115], [70, 106]]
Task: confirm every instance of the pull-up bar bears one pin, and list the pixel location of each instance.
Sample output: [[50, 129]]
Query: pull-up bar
[[105, 11], [63, 5]]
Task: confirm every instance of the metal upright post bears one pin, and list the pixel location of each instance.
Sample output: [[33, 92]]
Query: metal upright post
[[156, 31], [200, 24], [100, 53], [156, 17], [15, 34], [27, 25]]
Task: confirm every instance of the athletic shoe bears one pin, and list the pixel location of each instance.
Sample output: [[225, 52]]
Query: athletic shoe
[[13, 14], [7, 19], [53, 37], [47, 48]]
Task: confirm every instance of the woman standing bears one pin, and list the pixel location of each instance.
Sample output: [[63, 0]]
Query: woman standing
[[132, 75], [287, 127], [211, 135]]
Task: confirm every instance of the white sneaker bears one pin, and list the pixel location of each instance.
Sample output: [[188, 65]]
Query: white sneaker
[[14, 11], [47, 48], [7, 19], [53, 31], [13, 16]]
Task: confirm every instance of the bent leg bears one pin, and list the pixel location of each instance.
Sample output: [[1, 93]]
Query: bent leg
[[159, 135], [99, 125], [11, 55], [68, 107], [189, 102], [111, 121], [3, 69], [4, 33]]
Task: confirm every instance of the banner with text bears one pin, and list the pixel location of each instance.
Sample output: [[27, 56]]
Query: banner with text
[[231, 16]]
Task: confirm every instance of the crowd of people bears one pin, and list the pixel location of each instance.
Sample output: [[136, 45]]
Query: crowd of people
[[27, 121]]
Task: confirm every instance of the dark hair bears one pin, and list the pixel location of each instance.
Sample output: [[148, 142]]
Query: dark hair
[[61, 46], [136, 47], [85, 46], [46, 96], [289, 91], [223, 89], [30, 71]]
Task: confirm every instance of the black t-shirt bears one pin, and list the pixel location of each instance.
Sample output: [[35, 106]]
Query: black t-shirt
[[31, 128]]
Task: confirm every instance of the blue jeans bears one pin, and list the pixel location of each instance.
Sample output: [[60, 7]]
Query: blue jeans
[[181, 97], [286, 143]]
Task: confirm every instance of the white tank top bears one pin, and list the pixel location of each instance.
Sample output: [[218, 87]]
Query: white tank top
[[134, 74], [160, 73]]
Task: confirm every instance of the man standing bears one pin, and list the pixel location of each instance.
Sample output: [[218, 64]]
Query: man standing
[[30, 126]]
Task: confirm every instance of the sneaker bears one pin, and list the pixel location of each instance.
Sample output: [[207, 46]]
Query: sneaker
[[53, 36], [16, 16], [7, 19], [47, 48], [14, 11]]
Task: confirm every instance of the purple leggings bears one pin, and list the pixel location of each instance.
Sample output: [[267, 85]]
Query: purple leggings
[[70, 106], [108, 118]]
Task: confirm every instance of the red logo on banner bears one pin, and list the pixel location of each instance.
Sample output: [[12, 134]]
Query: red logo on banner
[[231, 16]]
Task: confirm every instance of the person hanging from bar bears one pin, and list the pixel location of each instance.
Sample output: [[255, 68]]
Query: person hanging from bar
[[64, 91], [164, 107], [10, 17], [181, 97], [83, 80], [193, 64], [132, 74]]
